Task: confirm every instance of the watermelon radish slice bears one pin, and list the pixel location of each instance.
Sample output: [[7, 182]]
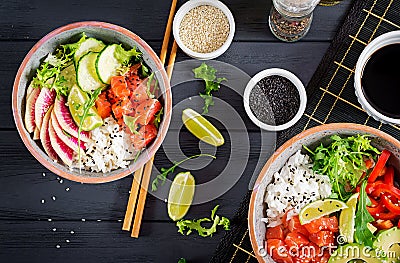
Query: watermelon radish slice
[[30, 89], [65, 153], [42, 105], [69, 140], [31, 98], [36, 134], [45, 137], [65, 120]]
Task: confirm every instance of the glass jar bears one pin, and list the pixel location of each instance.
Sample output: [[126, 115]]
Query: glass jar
[[290, 20]]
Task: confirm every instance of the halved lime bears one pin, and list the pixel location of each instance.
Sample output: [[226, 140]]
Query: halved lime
[[320, 208], [76, 101], [180, 195], [202, 128], [347, 219]]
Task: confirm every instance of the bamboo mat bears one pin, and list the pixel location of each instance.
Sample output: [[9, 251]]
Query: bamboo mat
[[331, 99]]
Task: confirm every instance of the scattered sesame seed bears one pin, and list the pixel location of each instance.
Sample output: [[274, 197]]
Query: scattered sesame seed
[[67, 189], [83, 219], [58, 246], [42, 201], [67, 240], [54, 229], [54, 198], [49, 220], [72, 232], [43, 174]]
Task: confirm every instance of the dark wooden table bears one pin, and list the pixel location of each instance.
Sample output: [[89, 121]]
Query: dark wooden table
[[39, 211]]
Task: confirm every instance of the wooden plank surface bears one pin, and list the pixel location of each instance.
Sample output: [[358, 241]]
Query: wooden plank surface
[[26, 235], [35, 241], [33, 19]]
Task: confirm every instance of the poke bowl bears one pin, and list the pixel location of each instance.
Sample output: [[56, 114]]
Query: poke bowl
[[297, 203], [92, 102]]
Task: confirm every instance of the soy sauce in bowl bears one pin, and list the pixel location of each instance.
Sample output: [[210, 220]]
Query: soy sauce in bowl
[[380, 80]]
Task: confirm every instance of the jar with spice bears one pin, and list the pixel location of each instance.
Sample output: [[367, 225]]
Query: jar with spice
[[290, 20]]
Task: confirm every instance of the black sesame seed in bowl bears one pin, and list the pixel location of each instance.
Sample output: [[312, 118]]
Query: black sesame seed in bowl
[[275, 99]]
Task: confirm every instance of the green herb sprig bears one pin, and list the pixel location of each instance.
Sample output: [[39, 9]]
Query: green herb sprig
[[343, 161], [207, 73], [195, 225], [165, 172], [362, 234], [86, 107]]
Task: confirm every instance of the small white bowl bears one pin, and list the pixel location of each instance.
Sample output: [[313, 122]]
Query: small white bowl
[[379, 42], [189, 5], [283, 73]]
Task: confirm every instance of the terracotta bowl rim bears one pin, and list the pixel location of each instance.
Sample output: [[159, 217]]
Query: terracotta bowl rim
[[167, 103], [287, 144]]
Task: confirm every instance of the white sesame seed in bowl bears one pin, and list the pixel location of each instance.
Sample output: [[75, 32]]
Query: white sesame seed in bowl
[[204, 29]]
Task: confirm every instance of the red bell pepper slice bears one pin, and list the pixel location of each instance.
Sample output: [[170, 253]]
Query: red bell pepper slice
[[384, 188], [380, 164], [376, 210], [391, 203], [388, 178]]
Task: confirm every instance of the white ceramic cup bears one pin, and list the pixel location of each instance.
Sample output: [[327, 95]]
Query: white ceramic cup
[[283, 73], [379, 42], [189, 5]]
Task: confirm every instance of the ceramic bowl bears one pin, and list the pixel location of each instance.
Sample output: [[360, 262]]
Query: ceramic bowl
[[108, 33], [184, 9], [311, 138], [378, 43], [283, 73]]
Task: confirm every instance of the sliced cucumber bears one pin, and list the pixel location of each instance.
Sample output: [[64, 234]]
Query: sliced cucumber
[[89, 45], [107, 64], [86, 76]]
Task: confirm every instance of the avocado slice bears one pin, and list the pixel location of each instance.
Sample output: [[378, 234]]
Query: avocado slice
[[388, 241], [351, 252]]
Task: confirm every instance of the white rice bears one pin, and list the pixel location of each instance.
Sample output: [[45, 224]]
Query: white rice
[[295, 186], [110, 148]]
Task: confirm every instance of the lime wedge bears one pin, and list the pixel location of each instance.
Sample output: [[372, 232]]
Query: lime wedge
[[202, 128], [347, 219], [76, 101], [320, 208], [180, 195]]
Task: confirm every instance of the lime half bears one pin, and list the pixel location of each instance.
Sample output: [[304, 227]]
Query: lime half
[[320, 208], [76, 102], [202, 128], [180, 195], [347, 219]]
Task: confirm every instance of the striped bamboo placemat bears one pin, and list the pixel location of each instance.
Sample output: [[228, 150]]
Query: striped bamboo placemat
[[331, 99]]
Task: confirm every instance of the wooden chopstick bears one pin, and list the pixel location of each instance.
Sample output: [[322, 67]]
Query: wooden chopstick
[[142, 198], [167, 35], [132, 199], [141, 178], [149, 165]]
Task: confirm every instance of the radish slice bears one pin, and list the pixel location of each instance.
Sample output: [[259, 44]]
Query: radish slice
[[45, 137], [65, 153], [69, 140], [65, 120], [42, 105], [31, 98]]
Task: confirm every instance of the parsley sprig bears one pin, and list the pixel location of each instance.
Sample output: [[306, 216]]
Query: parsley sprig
[[207, 73], [195, 225], [343, 161], [165, 172]]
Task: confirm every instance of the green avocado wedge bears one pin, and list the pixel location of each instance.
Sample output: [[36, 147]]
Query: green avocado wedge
[[388, 242]]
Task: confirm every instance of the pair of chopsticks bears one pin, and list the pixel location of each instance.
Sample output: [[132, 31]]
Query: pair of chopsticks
[[141, 178]]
